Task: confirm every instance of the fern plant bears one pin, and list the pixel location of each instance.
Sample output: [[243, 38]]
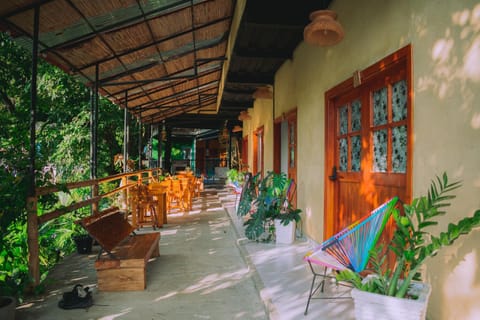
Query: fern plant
[[412, 242]]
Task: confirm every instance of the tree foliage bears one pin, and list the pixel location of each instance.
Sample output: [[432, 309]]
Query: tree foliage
[[62, 151]]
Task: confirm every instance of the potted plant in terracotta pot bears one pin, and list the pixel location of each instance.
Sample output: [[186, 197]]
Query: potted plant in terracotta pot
[[397, 291]]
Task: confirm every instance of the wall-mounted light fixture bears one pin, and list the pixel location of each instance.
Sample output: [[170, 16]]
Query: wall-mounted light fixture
[[324, 30], [237, 128], [244, 116], [263, 93]]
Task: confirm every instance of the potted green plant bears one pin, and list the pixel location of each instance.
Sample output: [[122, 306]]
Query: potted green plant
[[268, 201], [235, 177], [83, 242], [397, 291]]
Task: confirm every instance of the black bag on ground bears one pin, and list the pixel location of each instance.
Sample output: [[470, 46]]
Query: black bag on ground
[[80, 297]]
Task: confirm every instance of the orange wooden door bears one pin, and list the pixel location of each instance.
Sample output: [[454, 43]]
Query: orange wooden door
[[368, 130], [292, 153]]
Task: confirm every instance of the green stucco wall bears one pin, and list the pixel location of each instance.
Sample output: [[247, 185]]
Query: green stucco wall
[[445, 38]]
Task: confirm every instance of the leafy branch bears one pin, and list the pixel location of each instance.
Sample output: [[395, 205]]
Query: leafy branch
[[412, 242]]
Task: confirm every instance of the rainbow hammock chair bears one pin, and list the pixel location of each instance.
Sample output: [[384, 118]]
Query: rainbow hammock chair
[[349, 248]]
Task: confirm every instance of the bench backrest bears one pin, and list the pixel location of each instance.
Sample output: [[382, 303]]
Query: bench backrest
[[108, 228]]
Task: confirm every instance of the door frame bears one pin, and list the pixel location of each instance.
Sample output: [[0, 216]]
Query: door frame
[[371, 73], [290, 116], [258, 155]]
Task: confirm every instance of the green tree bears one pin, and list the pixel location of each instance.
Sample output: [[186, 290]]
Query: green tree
[[62, 154]]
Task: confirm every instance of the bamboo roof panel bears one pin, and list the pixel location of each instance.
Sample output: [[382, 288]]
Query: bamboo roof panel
[[156, 72], [152, 50], [169, 25], [184, 62], [146, 55], [58, 26], [128, 38], [212, 10], [108, 9], [87, 52], [13, 5]]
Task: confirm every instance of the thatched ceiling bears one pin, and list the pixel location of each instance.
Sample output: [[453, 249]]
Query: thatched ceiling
[[164, 59]]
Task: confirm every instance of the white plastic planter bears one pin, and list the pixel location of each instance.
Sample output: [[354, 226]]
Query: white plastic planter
[[284, 234]]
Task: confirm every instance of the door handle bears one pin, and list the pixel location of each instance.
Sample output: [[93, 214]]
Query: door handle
[[334, 176]]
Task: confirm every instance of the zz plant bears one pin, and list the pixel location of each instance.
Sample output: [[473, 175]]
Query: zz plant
[[413, 243]]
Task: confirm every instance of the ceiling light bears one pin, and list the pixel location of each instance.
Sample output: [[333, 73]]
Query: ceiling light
[[324, 30]]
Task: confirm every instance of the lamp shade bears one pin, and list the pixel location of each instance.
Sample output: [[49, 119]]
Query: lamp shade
[[244, 116], [324, 30], [263, 93]]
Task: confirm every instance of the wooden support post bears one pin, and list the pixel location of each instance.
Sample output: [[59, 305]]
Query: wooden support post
[[140, 129], [126, 134]]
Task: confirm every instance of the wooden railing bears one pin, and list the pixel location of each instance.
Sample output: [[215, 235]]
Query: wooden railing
[[128, 180]]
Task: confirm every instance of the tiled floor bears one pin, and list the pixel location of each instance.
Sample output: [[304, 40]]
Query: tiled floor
[[285, 278], [206, 270]]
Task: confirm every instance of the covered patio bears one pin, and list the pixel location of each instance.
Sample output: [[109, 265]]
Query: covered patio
[[376, 115], [206, 269]]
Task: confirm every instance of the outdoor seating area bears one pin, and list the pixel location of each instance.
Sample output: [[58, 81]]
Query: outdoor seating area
[[151, 203], [212, 160], [221, 275]]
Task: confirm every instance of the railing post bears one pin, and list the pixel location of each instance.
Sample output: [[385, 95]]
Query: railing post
[[125, 195], [94, 195]]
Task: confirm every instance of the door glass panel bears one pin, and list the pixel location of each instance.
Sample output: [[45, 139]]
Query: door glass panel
[[380, 114], [343, 151], [399, 100], [292, 158], [343, 115], [380, 151], [292, 132], [399, 149], [356, 152], [356, 115]]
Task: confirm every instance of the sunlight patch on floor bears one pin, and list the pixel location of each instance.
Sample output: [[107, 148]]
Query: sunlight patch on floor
[[166, 296], [114, 316], [216, 281]]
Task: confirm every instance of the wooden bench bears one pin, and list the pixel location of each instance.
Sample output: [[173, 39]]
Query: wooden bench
[[121, 264]]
